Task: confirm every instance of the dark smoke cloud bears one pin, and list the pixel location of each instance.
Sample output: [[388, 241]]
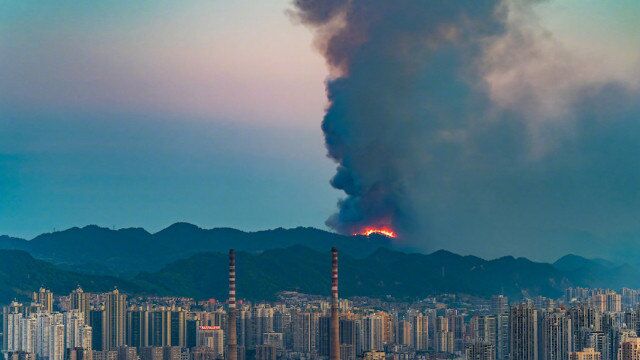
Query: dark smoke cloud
[[463, 125]]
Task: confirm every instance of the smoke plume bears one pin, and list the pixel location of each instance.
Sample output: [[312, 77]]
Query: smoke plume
[[467, 125]]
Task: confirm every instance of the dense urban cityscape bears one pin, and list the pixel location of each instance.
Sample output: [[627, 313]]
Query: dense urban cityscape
[[585, 324], [320, 180]]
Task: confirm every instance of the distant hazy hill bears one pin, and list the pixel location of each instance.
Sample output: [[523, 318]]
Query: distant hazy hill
[[11, 243], [104, 251], [382, 273], [20, 274], [598, 272], [574, 262]]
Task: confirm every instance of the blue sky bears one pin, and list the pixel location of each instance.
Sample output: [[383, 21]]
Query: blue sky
[[146, 113], [124, 169]]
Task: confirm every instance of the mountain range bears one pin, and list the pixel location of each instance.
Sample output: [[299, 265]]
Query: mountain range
[[128, 251], [184, 260], [20, 274]]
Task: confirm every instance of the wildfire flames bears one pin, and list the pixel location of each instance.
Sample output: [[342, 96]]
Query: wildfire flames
[[388, 232]]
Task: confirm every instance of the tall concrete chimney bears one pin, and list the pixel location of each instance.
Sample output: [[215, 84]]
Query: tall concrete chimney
[[334, 334], [232, 337]]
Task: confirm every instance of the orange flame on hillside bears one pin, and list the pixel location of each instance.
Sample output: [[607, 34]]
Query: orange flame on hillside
[[388, 232]]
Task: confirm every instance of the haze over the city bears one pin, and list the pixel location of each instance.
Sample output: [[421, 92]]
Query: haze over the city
[[320, 180]]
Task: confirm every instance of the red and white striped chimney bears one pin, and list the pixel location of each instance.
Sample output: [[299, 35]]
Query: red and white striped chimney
[[232, 339], [334, 334]]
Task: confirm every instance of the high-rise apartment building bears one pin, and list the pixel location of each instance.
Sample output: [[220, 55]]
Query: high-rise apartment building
[[198, 353], [178, 327], [347, 352], [405, 333], [556, 336], [76, 331], [486, 329], [46, 335], [79, 300], [304, 331], [613, 344], [458, 328], [585, 354], [281, 321], [523, 324], [608, 301], [19, 355], [349, 336], [171, 353], [584, 319], [503, 342], [275, 339], [630, 349], [78, 354], [28, 331], [420, 328], [208, 336], [12, 339], [389, 332], [266, 352], [44, 297], [138, 327], [151, 353], [374, 355], [614, 302], [127, 353], [499, 304], [9, 321], [602, 343], [56, 342], [444, 339], [98, 324], [372, 333], [324, 332], [630, 298], [159, 327], [115, 320], [243, 326], [480, 350], [261, 322]]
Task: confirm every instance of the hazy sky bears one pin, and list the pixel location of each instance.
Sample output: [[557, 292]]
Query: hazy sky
[[143, 113], [146, 113]]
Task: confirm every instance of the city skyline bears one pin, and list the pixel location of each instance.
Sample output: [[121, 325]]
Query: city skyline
[[583, 324], [320, 180]]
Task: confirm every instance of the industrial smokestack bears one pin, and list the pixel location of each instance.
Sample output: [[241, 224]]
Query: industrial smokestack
[[232, 340], [335, 322]]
